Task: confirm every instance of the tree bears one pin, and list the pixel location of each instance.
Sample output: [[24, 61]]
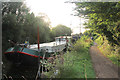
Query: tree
[[61, 30], [103, 18], [18, 23], [12, 19]]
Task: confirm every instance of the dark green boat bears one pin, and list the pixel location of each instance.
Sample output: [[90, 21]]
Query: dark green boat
[[23, 56]]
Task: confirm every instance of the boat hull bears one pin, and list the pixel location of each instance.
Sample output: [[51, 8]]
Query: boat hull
[[21, 59], [24, 56]]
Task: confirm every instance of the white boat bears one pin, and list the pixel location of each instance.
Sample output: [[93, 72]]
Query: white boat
[[58, 45]]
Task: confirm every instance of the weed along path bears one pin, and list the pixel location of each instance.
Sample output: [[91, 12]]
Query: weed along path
[[103, 67]]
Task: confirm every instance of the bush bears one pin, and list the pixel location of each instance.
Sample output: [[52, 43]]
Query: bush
[[83, 43]]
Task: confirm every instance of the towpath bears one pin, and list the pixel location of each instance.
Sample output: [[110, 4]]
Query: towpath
[[103, 67]]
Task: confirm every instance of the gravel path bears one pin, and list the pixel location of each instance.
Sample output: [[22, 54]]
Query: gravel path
[[103, 67]]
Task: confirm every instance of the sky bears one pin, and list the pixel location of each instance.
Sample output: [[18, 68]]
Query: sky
[[58, 12]]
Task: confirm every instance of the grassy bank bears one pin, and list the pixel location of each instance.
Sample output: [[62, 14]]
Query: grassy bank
[[77, 63], [111, 52]]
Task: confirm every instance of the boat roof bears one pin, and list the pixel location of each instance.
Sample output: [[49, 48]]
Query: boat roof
[[63, 37], [50, 44]]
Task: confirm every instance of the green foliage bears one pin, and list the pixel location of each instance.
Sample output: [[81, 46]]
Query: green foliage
[[82, 43], [61, 30], [18, 23], [103, 17], [91, 33], [76, 64], [111, 52]]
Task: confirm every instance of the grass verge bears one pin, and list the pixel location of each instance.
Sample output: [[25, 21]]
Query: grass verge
[[77, 63]]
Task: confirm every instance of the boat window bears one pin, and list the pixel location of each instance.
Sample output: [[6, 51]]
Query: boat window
[[60, 39], [63, 39], [57, 39]]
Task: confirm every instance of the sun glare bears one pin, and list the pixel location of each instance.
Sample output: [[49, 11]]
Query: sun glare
[[58, 11]]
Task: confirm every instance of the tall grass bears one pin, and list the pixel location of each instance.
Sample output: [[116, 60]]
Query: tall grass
[[77, 63]]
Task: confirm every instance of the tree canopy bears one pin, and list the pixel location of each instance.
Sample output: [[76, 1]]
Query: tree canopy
[[61, 30], [104, 18], [18, 23]]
